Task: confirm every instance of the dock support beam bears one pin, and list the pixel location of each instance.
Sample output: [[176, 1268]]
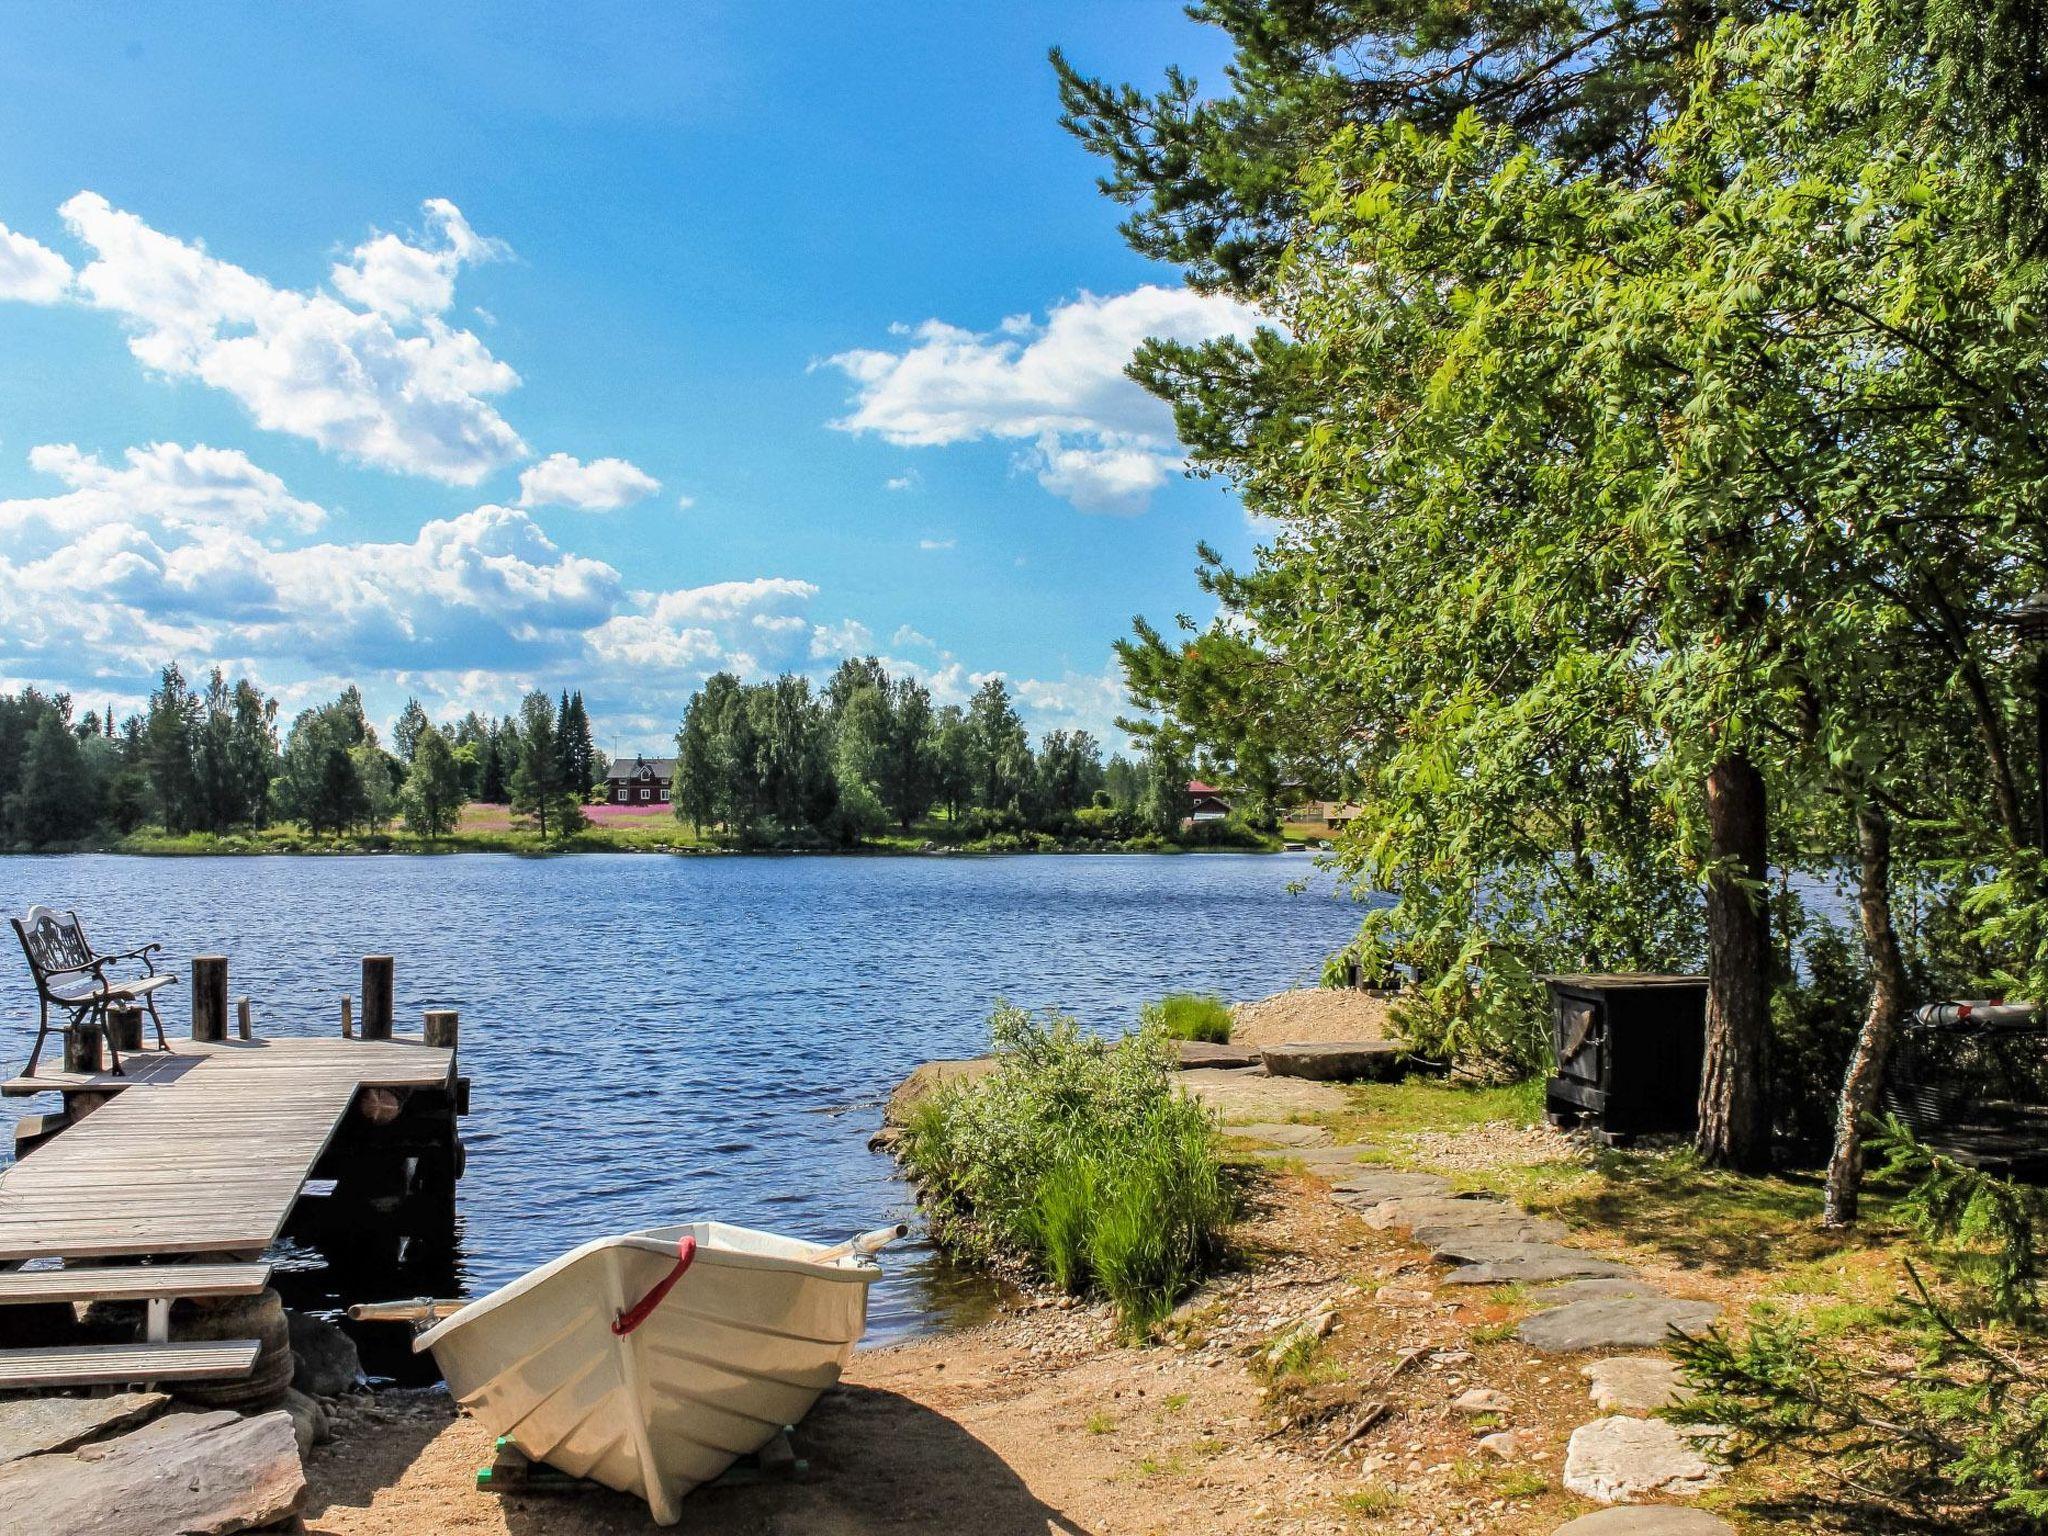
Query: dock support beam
[[209, 997], [376, 997]]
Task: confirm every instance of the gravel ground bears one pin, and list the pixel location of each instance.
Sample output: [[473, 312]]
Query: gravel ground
[[1309, 1013]]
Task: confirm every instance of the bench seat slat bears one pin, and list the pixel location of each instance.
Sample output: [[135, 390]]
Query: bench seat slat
[[95, 1365], [131, 1282]]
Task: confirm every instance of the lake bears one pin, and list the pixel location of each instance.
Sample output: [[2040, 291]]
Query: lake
[[657, 1039]]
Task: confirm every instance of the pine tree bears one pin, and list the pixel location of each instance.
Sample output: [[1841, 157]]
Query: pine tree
[[540, 788], [432, 798], [170, 740], [52, 803], [405, 731]]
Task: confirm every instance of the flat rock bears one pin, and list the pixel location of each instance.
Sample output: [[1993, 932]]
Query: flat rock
[[1339, 1061], [1200, 1053], [40, 1426], [1614, 1322], [184, 1474], [1411, 1211], [1476, 1242], [325, 1359], [1619, 1458], [1285, 1135], [1587, 1290], [1370, 1186], [1647, 1520], [1635, 1383], [1249, 1094], [1477, 1400], [927, 1079], [1506, 1444], [1530, 1263]]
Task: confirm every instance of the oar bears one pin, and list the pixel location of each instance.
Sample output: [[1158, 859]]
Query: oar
[[867, 1244]]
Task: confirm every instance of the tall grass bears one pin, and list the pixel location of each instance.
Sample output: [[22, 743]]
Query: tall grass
[[1190, 1016], [1076, 1157]]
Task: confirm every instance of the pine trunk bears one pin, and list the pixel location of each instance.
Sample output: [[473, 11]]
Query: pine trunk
[[1880, 1019], [1735, 1124]]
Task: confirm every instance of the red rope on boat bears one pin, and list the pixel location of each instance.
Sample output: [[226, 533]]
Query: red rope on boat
[[642, 1309]]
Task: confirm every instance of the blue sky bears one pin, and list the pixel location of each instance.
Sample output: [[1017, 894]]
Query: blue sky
[[457, 350]]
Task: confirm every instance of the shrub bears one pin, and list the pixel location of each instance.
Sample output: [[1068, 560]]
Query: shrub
[[1190, 1016], [1076, 1157]]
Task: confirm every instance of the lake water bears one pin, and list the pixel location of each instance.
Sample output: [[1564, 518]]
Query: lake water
[[655, 1039]]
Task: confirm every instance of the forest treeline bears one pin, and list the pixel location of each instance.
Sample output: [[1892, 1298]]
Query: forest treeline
[[213, 759], [782, 762]]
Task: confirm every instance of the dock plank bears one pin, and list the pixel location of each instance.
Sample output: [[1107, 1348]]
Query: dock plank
[[95, 1365], [206, 1153]]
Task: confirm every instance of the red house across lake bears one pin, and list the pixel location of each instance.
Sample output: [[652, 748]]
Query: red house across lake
[[643, 781]]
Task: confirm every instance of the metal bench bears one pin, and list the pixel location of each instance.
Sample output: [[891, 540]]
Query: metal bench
[[70, 974]]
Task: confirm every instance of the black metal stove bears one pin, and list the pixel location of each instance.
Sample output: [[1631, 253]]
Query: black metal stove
[[1628, 1049]]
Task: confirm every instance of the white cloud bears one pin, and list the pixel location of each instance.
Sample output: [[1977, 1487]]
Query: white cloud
[[929, 544], [903, 482], [1099, 440], [906, 636], [164, 483], [31, 273], [849, 637], [406, 397], [405, 282], [602, 485], [684, 503]]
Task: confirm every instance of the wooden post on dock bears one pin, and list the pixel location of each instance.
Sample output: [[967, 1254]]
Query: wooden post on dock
[[125, 1025], [82, 1047], [376, 997], [348, 1017], [209, 997], [245, 1022], [442, 1027]]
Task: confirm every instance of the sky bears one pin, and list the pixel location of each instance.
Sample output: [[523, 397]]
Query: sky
[[460, 350]]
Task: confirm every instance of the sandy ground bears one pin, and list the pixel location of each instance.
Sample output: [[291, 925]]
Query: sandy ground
[[1309, 1013], [1038, 1422]]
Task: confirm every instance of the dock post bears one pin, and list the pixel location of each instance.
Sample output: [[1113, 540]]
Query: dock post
[[376, 997], [442, 1027], [245, 1023], [348, 1017], [82, 1047], [125, 1025], [209, 997]]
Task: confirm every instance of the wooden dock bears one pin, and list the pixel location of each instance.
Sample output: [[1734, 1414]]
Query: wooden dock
[[202, 1149]]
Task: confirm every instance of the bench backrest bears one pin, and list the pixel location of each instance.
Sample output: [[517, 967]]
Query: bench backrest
[[53, 941]]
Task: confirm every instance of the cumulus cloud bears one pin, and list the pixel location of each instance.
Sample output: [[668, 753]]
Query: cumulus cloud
[[602, 485], [1099, 440], [31, 273], [165, 483], [405, 282], [391, 384]]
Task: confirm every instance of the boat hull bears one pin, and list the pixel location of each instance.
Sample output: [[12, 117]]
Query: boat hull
[[741, 1347]]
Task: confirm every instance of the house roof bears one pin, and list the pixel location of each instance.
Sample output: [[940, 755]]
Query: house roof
[[1197, 787], [660, 767]]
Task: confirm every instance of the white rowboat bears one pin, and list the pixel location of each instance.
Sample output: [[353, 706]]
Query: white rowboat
[[652, 1361]]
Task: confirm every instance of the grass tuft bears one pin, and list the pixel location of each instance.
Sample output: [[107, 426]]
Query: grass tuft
[[1189, 1016]]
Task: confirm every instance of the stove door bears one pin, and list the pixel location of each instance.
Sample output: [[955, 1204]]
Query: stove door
[[1579, 1033]]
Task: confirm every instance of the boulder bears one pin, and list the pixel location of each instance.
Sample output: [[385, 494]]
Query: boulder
[[184, 1474], [1647, 1520], [1619, 1458], [39, 1426], [932, 1075], [310, 1424], [1614, 1322], [1337, 1061], [1519, 1263], [326, 1361], [1635, 1383]]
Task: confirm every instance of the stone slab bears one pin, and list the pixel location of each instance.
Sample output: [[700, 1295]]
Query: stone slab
[[1477, 1242], [1249, 1094], [1337, 1061], [1647, 1520], [1200, 1053], [1369, 1186], [42, 1426], [1614, 1322], [1635, 1383], [1618, 1458], [1587, 1290], [1532, 1263], [1279, 1135], [1439, 1209], [184, 1474]]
